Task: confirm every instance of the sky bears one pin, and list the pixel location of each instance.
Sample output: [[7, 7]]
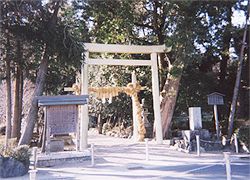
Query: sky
[[238, 18]]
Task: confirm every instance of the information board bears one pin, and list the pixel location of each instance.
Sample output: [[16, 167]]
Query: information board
[[62, 119]]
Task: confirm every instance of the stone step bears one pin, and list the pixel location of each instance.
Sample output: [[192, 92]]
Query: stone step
[[57, 158]]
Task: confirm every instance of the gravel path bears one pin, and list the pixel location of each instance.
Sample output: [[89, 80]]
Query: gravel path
[[123, 159]]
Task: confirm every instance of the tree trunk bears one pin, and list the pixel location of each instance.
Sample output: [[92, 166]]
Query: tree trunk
[[15, 126], [237, 81], [225, 51], [168, 104], [99, 124], [169, 95], [40, 80], [20, 106], [243, 104], [32, 116], [8, 94], [16, 104]]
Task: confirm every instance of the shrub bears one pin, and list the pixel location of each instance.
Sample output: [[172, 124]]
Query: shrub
[[20, 153], [244, 135]]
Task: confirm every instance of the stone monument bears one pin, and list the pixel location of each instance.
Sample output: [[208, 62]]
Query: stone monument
[[195, 122]]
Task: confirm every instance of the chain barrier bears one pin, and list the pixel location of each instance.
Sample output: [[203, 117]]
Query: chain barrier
[[214, 142]]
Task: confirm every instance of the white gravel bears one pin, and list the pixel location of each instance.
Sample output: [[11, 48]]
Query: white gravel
[[123, 159]]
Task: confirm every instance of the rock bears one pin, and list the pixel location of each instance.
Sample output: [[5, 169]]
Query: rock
[[2, 130], [92, 121], [169, 142], [105, 128], [202, 150], [9, 167]]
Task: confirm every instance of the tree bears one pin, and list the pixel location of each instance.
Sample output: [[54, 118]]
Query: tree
[[200, 34], [8, 92], [16, 126], [238, 77], [40, 80], [144, 22], [50, 40], [243, 104]]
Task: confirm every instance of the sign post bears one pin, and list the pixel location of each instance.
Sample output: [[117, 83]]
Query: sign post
[[216, 99], [216, 121]]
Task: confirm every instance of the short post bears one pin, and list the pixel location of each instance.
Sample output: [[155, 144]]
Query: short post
[[236, 143], [147, 154], [198, 144], [35, 157], [228, 167], [33, 174], [92, 155]]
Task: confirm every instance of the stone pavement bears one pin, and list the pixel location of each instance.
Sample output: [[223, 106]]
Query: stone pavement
[[122, 159]]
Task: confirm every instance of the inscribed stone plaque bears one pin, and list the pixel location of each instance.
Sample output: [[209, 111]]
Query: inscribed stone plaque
[[195, 118], [62, 119]]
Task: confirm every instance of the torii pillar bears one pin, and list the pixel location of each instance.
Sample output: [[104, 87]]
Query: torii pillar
[[84, 119], [156, 98], [135, 119]]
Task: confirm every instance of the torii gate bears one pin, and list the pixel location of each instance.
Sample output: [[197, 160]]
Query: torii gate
[[128, 49]]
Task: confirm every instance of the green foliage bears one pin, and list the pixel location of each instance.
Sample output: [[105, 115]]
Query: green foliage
[[117, 76], [198, 31], [194, 88], [176, 71], [20, 153], [244, 134], [64, 39]]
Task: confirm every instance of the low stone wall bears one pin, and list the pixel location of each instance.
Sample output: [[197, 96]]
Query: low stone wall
[[53, 159]]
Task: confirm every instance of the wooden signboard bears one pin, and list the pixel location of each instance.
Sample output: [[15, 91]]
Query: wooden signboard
[[215, 98], [62, 119], [61, 115]]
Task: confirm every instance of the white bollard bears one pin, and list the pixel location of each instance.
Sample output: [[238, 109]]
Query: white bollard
[[147, 154], [33, 174], [92, 156], [35, 157], [198, 144], [228, 166], [236, 143]]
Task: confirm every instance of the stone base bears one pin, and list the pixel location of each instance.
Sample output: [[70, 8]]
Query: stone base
[[56, 145], [53, 159], [190, 135]]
